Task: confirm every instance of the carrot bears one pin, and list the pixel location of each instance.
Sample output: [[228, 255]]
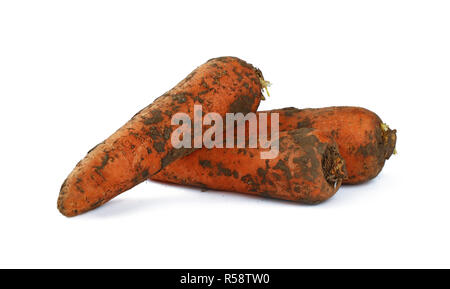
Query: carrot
[[142, 147], [308, 169], [364, 141]]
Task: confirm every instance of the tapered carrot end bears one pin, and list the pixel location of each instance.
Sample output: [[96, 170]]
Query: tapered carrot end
[[63, 202], [69, 206]]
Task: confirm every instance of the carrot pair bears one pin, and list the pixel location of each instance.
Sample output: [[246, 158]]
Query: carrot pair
[[319, 149], [142, 147], [352, 134]]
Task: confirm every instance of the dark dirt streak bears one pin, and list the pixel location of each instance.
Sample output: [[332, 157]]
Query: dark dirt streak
[[144, 174], [239, 75], [167, 132], [223, 171], [202, 93], [63, 186], [243, 103], [223, 59], [175, 154], [156, 117], [99, 168], [276, 176], [204, 84], [159, 147], [205, 163], [309, 166], [154, 133], [136, 135], [281, 165], [181, 97], [95, 147], [262, 173], [97, 204], [306, 123], [302, 138], [248, 179]]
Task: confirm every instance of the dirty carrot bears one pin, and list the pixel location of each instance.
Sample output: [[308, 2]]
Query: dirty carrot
[[142, 147], [308, 169], [364, 141]]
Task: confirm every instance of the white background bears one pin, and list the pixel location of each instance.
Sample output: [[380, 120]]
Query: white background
[[72, 72]]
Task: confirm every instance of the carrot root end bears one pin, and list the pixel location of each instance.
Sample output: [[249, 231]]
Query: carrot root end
[[334, 167]]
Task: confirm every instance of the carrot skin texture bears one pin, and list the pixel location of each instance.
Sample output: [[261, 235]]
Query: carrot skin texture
[[142, 147], [364, 141], [308, 169]]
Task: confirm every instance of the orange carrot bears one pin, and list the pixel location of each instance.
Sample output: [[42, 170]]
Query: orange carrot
[[308, 169], [364, 141], [142, 147]]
